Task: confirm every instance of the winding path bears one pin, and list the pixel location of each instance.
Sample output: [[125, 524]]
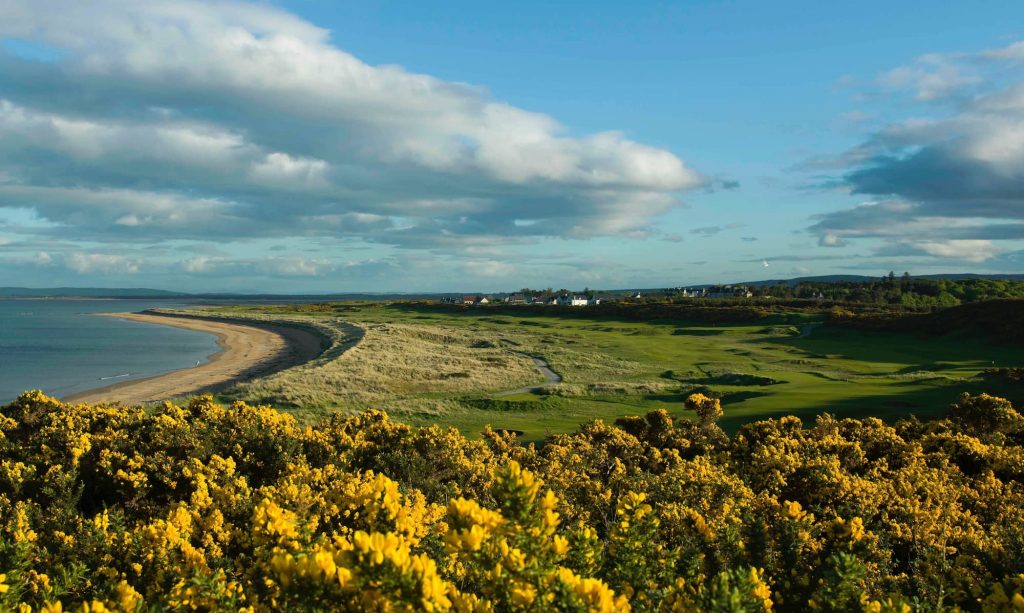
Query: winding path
[[806, 329], [550, 376]]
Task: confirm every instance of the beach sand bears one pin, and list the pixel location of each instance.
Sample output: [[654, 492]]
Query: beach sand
[[248, 350]]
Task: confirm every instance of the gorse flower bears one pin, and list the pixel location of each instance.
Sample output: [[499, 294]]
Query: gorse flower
[[207, 507]]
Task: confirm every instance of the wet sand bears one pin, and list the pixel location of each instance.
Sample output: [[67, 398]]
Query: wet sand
[[248, 350]]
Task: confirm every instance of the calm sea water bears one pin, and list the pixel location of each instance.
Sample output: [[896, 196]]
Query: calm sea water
[[62, 347]]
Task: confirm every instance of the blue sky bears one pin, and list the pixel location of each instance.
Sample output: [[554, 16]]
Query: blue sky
[[382, 146]]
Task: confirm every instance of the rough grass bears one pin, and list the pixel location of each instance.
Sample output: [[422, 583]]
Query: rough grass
[[395, 361], [445, 367]]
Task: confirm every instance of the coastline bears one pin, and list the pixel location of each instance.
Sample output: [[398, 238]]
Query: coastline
[[247, 350]]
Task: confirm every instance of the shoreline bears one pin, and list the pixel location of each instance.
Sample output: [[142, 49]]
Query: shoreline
[[247, 350]]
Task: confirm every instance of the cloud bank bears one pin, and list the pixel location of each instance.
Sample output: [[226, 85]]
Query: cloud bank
[[950, 186], [125, 121]]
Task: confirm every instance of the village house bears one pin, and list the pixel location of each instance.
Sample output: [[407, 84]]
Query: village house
[[729, 291], [536, 299]]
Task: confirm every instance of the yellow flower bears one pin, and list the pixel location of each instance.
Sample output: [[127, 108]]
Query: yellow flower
[[793, 510], [559, 545], [126, 596], [523, 596]]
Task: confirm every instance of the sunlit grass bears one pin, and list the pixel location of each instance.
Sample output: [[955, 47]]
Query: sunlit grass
[[435, 367]]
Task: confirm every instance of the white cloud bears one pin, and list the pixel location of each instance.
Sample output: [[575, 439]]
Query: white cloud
[[831, 239], [89, 263], [949, 185], [970, 250], [489, 268], [930, 78], [1013, 52], [239, 119], [197, 264], [284, 266], [285, 170], [292, 266]]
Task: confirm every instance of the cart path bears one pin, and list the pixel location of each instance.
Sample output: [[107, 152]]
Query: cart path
[[550, 376]]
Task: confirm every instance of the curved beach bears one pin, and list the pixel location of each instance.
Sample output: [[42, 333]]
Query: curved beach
[[248, 350]]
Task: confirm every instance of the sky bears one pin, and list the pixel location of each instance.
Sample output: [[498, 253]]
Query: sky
[[326, 147]]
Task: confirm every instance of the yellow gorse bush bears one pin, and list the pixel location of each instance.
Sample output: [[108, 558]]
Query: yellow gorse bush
[[206, 507]]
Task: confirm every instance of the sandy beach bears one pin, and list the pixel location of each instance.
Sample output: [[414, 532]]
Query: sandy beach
[[248, 350]]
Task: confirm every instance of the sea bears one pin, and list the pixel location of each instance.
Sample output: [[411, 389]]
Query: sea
[[62, 347]]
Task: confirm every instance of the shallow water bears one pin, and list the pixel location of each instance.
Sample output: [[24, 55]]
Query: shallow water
[[62, 347]]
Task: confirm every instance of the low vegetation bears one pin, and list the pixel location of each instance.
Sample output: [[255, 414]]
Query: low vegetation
[[908, 292], [392, 361], [223, 508], [439, 363], [1001, 321]]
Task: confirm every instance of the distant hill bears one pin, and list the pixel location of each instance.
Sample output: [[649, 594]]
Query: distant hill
[[87, 292], [865, 278], [320, 297], [141, 292]]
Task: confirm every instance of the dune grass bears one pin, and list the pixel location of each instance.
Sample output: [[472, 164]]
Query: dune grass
[[441, 367]]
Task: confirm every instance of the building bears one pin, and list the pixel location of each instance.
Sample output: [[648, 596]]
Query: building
[[515, 299], [728, 291]]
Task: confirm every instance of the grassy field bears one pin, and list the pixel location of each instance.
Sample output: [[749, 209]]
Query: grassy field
[[446, 367]]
